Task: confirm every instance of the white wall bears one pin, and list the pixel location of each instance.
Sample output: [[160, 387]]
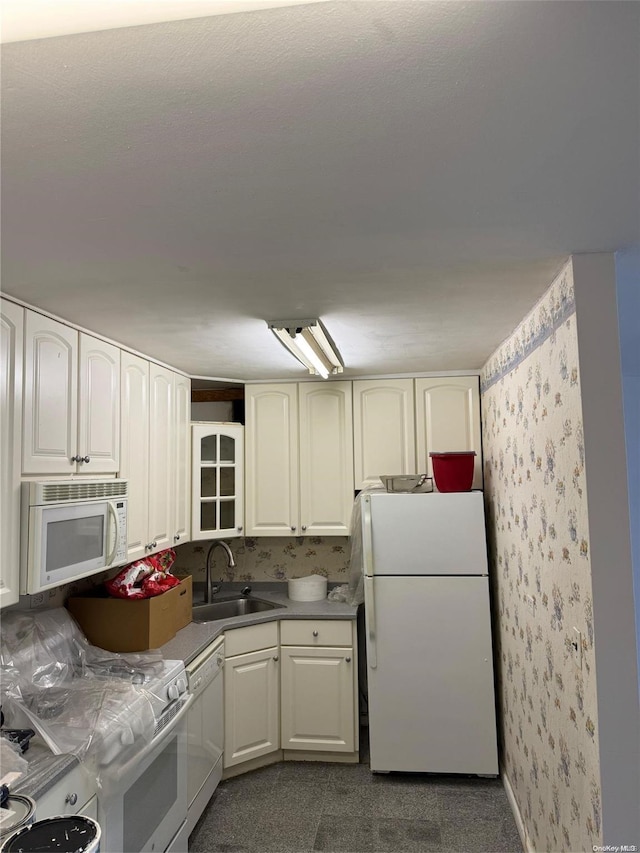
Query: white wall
[[628, 292]]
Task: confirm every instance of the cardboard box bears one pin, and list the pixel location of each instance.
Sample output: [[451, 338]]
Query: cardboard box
[[185, 602], [119, 625]]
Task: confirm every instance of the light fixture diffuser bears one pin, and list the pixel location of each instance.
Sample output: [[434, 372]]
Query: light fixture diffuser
[[311, 344]]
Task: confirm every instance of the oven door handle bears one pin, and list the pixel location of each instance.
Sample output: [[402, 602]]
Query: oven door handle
[[156, 741]]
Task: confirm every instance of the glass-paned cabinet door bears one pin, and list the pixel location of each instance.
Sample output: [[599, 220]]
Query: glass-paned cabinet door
[[218, 478]]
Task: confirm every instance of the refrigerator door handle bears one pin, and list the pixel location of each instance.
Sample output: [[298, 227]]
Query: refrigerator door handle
[[370, 610], [367, 538]]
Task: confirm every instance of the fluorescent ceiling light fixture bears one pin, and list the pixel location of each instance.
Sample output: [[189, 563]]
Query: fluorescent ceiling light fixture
[[311, 344]]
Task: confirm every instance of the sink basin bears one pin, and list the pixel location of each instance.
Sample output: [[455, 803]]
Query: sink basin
[[227, 607]]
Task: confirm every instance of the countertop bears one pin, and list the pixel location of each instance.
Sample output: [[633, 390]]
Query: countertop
[[46, 769], [189, 642]]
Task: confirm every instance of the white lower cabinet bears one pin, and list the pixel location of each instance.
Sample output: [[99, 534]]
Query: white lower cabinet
[[319, 685], [317, 699], [251, 693], [73, 794], [298, 695]]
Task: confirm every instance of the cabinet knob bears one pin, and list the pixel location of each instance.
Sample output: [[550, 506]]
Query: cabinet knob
[[315, 633], [176, 538], [240, 529], [348, 660], [86, 459], [154, 545], [275, 657], [304, 526], [293, 529], [72, 799], [76, 459]]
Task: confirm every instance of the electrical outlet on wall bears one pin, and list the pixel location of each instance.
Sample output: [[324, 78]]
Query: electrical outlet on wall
[[576, 648]]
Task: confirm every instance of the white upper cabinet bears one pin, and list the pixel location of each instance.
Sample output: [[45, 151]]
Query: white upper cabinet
[[384, 429], [99, 406], [134, 451], [161, 459], [71, 400], [182, 458], [271, 437], [11, 340], [155, 455], [217, 480], [326, 458], [50, 444], [448, 419], [299, 459]]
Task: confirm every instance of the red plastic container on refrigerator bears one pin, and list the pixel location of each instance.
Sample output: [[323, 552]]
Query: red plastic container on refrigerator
[[453, 471]]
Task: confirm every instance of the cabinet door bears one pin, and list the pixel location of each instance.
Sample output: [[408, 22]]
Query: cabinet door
[[161, 459], [99, 406], [318, 699], [326, 457], [271, 436], [217, 480], [251, 706], [384, 430], [182, 458], [448, 418], [134, 450], [50, 396], [11, 340]]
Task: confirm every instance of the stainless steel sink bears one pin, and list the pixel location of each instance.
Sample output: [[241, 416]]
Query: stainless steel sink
[[227, 607]]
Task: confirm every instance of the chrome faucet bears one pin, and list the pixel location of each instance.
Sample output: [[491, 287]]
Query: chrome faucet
[[208, 589]]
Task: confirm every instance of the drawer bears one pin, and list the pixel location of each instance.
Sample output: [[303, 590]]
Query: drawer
[[250, 639], [316, 632], [67, 796]]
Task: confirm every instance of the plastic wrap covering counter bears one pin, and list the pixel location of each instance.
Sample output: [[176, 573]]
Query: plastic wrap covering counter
[[356, 562], [72, 693]]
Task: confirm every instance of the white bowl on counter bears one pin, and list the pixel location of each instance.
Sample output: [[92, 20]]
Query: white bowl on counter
[[311, 588]]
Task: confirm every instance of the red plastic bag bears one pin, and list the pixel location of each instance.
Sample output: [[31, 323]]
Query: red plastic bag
[[144, 578]]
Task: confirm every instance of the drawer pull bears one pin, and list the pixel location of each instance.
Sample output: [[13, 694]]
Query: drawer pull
[[72, 799], [348, 660], [275, 657], [315, 633]]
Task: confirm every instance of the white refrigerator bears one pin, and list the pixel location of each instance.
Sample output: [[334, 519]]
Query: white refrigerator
[[428, 633]]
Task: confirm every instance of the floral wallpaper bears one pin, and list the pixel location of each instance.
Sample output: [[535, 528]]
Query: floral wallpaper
[[535, 490], [270, 558]]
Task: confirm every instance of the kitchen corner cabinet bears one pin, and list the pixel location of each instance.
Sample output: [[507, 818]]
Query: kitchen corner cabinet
[[217, 480], [319, 685], [299, 459], [384, 429], [71, 400], [251, 693], [447, 419], [154, 455], [11, 340]]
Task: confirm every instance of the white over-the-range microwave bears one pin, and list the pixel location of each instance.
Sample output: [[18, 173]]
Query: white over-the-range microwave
[[71, 529]]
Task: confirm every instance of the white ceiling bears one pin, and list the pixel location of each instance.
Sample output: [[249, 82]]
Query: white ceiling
[[413, 173]]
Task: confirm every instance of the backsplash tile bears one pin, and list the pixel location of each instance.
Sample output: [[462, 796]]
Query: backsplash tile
[[270, 558]]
